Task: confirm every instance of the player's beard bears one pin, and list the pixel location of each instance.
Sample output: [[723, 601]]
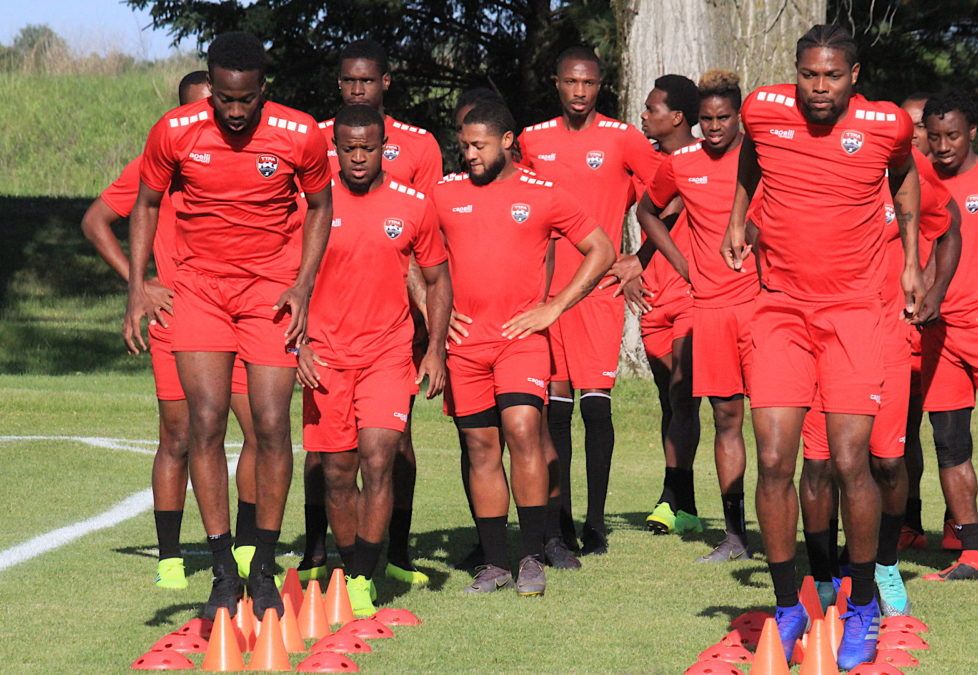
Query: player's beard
[[826, 117], [491, 171]]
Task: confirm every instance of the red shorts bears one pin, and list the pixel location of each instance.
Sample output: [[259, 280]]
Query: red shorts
[[830, 349], [375, 397], [889, 437], [478, 374], [585, 342], [915, 363], [722, 350], [949, 367], [664, 325], [165, 376], [231, 314]]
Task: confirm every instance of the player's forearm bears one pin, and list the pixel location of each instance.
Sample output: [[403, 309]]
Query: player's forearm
[[645, 253], [416, 284], [737, 225], [142, 231], [945, 257], [906, 204], [315, 236], [98, 230], [549, 268], [599, 256], [439, 292], [657, 233]]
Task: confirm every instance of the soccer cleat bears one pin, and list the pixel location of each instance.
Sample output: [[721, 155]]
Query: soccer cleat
[[489, 578], [687, 522], [827, 592], [728, 550], [911, 538], [312, 574], [557, 555], [264, 591], [950, 541], [593, 542], [792, 623], [475, 559], [226, 590], [170, 574], [964, 568], [662, 520], [243, 555], [532, 580], [407, 576], [892, 592], [358, 588], [860, 631]]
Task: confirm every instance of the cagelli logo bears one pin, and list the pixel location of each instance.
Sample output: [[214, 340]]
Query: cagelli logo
[[538, 382], [971, 203], [520, 212], [391, 152], [267, 165], [594, 159], [393, 227], [462, 209], [851, 141], [699, 180], [202, 157], [786, 134], [549, 157]]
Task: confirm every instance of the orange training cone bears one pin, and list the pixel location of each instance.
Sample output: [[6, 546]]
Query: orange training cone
[[292, 588], [833, 628], [244, 620], [162, 659], [312, 615], [842, 597], [223, 653], [270, 651], [291, 635], [338, 608], [769, 658], [808, 596], [819, 659]]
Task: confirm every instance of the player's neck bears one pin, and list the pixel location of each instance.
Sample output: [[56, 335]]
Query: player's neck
[[579, 123], [359, 190], [676, 141], [734, 145], [507, 171]]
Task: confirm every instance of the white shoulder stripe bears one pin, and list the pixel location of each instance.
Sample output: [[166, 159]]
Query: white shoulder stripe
[[875, 116], [404, 189], [535, 181], [771, 97], [188, 119], [289, 125]]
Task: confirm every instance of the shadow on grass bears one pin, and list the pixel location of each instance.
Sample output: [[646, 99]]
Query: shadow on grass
[[731, 612]]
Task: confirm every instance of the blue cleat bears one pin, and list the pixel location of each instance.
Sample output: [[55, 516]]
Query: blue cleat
[[792, 624], [860, 633]]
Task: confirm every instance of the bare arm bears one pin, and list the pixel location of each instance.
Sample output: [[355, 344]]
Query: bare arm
[[438, 289], [944, 260], [658, 233], [548, 262], [735, 248], [416, 287], [905, 186], [142, 231]]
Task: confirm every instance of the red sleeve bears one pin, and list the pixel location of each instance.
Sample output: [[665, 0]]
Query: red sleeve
[[430, 169], [903, 142], [313, 172], [121, 195], [429, 249], [159, 160], [567, 218], [663, 188], [640, 156], [935, 219]]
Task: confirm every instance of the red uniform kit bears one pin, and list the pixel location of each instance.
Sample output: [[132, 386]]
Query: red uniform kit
[[235, 252], [596, 165], [818, 324], [120, 196], [671, 317], [723, 300], [358, 316], [497, 237]]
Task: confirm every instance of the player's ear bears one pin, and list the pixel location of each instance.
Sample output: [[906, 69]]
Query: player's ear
[[677, 117], [386, 80], [508, 139], [553, 78], [855, 73]]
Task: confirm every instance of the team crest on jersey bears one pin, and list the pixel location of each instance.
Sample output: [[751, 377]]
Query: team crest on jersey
[[393, 227], [851, 141], [889, 212], [391, 152], [267, 165], [594, 159], [971, 203], [520, 212]]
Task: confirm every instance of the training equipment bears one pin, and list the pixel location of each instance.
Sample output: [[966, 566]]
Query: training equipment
[[809, 597], [199, 627], [726, 653], [342, 643], [899, 658], [896, 639], [842, 594], [292, 587], [223, 653], [396, 617], [532, 581], [892, 592], [910, 624], [244, 621], [751, 621], [162, 659], [338, 609], [413, 577], [270, 653], [368, 629], [313, 619], [819, 659], [359, 590], [769, 659], [170, 574], [328, 662], [243, 555], [875, 669], [712, 667], [792, 623], [742, 638], [291, 635], [859, 634], [181, 643], [833, 627]]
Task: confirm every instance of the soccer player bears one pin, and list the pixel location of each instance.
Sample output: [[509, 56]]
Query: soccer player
[[358, 366], [497, 222], [585, 148], [170, 463], [412, 157], [950, 357], [242, 284], [824, 154]]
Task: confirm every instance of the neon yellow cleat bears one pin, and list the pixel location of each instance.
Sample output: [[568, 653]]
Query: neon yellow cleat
[[687, 522], [662, 520], [413, 577], [169, 574], [243, 555], [317, 573], [359, 590]]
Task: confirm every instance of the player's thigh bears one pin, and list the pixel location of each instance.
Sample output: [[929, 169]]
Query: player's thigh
[[260, 328], [783, 373], [470, 381], [889, 437], [848, 342], [328, 419], [717, 367], [521, 367]]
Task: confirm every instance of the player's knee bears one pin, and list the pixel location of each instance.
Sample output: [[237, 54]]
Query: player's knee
[[175, 442], [728, 415], [888, 471], [596, 409], [774, 466], [816, 476], [340, 472], [952, 437]]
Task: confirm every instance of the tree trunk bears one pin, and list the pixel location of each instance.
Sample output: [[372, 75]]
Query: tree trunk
[[755, 38]]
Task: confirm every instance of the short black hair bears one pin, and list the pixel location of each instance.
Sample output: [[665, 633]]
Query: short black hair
[[358, 116], [494, 115], [828, 36], [192, 79], [682, 94], [950, 102], [722, 83], [476, 96], [579, 53], [368, 50], [237, 51]]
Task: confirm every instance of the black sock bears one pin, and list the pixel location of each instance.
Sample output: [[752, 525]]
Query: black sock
[[668, 495], [968, 534], [553, 518], [316, 523], [817, 544], [733, 515], [244, 529], [886, 550], [783, 576], [559, 413], [912, 517], [685, 493], [168, 532], [220, 545], [533, 526], [492, 535], [863, 582], [599, 444], [834, 547], [398, 533], [348, 556], [365, 560], [265, 548]]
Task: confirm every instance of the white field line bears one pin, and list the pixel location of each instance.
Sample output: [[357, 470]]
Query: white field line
[[139, 446]]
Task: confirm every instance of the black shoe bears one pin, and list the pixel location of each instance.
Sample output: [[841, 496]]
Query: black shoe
[[263, 591], [593, 542], [476, 558], [226, 590], [559, 556]]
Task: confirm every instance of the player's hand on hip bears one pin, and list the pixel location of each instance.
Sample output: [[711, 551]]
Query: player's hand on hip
[[161, 298], [456, 327], [306, 373], [296, 299], [625, 269], [531, 321], [433, 366], [635, 293], [735, 250], [138, 308]]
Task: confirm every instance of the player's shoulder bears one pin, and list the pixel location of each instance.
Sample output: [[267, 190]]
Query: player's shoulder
[[689, 150], [410, 194], [450, 183], [287, 120], [187, 117], [540, 127], [610, 124], [453, 177], [409, 130], [876, 113], [773, 97], [326, 124]]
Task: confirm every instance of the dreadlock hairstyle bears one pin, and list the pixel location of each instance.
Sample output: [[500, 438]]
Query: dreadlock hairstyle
[[828, 36]]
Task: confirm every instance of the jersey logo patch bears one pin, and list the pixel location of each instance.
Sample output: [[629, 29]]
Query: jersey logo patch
[[971, 203], [889, 212], [594, 159], [267, 165], [549, 157], [520, 212], [852, 141], [391, 152], [393, 227]]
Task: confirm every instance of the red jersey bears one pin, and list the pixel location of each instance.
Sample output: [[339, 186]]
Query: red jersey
[[707, 184], [359, 308], [960, 307], [237, 194], [411, 155], [596, 165], [822, 206], [121, 195], [497, 237]]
